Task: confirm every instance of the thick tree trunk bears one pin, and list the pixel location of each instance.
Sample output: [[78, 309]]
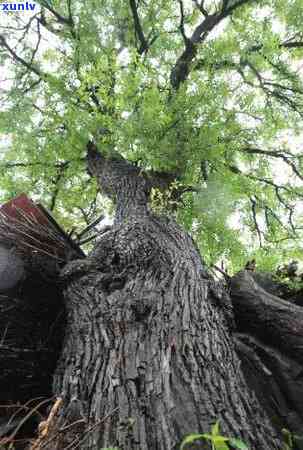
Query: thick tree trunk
[[148, 353], [152, 348]]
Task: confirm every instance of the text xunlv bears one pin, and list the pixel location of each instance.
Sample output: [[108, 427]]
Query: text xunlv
[[17, 6]]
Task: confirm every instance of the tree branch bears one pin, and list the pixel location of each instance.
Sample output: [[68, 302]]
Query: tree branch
[[254, 215], [14, 165], [286, 159], [268, 211], [61, 19], [182, 20], [144, 45], [293, 44], [37, 44], [200, 7], [181, 69], [18, 59], [267, 181], [61, 170]]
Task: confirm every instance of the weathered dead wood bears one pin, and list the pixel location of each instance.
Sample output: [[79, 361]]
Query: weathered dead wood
[[277, 381], [274, 321], [270, 348]]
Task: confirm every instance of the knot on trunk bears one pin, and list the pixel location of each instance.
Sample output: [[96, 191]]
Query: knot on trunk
[[142, 305]]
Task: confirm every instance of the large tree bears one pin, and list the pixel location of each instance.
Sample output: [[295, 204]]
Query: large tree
[[182, 112]]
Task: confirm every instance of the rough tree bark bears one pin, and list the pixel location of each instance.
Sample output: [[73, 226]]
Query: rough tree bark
[[269, 341], [148, 353]]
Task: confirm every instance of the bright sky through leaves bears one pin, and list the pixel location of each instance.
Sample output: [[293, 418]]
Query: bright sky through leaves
[[211, 91]]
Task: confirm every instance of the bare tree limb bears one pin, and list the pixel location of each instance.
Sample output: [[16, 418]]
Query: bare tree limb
[[293, 44], [144, 45], [181, 69], [254, 216], [14, 165], [182, 20], [200, 7], [19, 59], [61, 171], [268, 210], [267, 181], [281, 155], [61, 19]]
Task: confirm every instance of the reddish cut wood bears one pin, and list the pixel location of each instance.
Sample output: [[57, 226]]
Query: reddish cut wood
[[23, 210], [22, 203]]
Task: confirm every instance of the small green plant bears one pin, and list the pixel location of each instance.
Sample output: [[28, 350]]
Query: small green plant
[[167, 200], [290, 439], [218, 442], [110, 448]]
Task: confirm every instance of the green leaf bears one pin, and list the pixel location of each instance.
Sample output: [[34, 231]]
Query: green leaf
[[237, 443], [201, 132], [220, 446], [215, 429], [191, 438], [219, 442], [109, 448]]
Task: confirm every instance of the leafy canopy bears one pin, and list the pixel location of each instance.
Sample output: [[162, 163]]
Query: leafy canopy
[[209, 90]]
